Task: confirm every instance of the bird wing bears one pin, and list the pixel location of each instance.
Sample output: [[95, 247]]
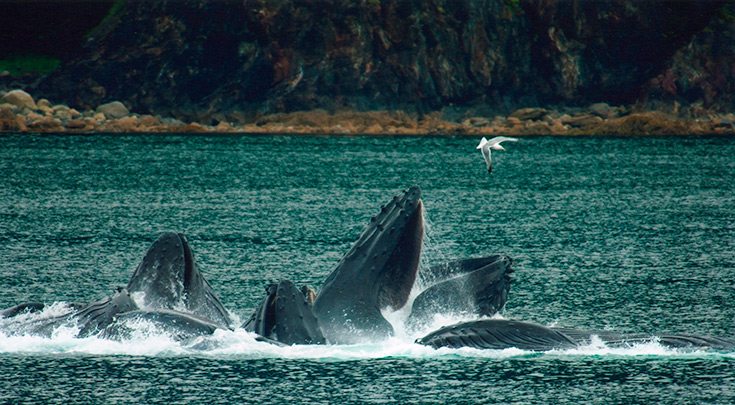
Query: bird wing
[[483, 142], [498, 139], [486, 155]]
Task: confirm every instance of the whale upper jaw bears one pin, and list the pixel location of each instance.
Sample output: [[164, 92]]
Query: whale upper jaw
[[378, 272], [168, 278]]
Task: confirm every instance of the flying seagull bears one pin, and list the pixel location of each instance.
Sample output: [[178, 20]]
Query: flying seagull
[[494, 144]]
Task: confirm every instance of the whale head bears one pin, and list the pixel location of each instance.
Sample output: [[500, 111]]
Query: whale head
[[378, 272]]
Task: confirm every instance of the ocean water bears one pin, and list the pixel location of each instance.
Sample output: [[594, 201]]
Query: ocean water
[[631, 234]]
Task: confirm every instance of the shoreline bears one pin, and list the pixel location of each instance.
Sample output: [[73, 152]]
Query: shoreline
[[19, 112]]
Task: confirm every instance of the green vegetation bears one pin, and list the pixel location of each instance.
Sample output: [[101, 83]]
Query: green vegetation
[[514, 6], [114, 12], [36, 64]]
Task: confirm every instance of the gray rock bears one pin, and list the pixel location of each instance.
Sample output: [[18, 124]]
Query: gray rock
[[476, 122], [581, 120], [62, 112], [603, 110], [43, 103], [529, 114], [20, 99], [113, 110]]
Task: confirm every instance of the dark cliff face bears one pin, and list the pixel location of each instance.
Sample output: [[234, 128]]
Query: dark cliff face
[[234, 59], [606, 50], [700, 74], [47, 27]]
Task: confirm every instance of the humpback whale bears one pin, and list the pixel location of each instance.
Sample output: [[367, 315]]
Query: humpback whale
[[176, 324], [477, 286], [168, 278], [26, 307], [378, 272], [170, 286], [285, 316], [504, 334], [168, 292], [497, 334]]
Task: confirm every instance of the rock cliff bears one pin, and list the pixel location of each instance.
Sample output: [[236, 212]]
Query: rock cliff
[[230, 60]]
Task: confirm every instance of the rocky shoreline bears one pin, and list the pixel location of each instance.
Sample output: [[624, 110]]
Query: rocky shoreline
[[20, 112]]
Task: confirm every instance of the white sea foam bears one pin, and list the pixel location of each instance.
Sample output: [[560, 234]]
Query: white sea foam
[[146, 340]]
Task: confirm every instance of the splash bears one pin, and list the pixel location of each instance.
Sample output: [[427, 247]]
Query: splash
[[430, 254], [147, 340]]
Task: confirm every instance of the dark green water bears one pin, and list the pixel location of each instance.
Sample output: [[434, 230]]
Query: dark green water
[[630, 234]]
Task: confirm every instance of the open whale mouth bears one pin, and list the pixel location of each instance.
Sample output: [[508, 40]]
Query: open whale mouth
[[386, 256], [168, 278], [164, 272], [379, 271], [189, 270], [402, 263]]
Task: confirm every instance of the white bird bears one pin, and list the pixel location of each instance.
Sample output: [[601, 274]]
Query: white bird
[[494, 144]]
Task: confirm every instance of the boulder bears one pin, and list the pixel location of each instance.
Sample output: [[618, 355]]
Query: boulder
[[62, 112], [476, 122], [6, 111], [46, 124], [43, 103], [529, 114], [223, 126], [124, 124], [513, 121], [7, 118], [76, 124], [113, 110], [580, 120], [19, 98], [604, 111]]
